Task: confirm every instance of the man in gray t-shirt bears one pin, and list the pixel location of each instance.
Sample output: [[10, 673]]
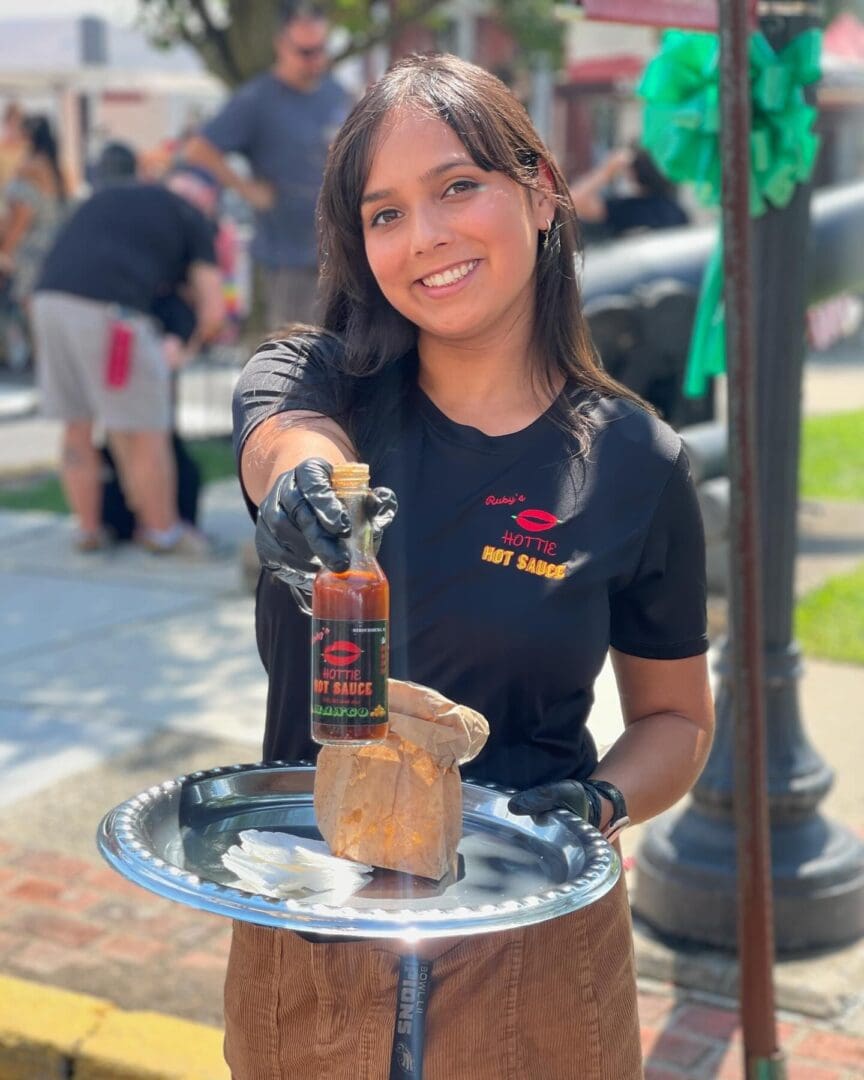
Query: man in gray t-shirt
[[282, 122]]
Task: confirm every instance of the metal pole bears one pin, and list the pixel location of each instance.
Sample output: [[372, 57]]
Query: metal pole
[[755, 922]]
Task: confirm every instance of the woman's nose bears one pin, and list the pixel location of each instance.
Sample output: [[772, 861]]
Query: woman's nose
[[429, 230]]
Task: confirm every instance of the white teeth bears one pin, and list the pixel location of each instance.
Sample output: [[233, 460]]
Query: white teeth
[[455, 273]]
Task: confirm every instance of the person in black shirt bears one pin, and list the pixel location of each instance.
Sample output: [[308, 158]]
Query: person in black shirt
[[545, 517], [650, 203], [102, 359]]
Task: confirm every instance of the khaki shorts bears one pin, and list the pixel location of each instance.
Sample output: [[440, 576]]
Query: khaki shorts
[[555, 1001], [71, 336]]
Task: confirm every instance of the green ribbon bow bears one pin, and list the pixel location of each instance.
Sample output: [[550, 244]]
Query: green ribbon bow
[[681, 131]]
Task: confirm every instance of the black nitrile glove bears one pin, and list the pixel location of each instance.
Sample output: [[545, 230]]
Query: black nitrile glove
[[302, 525], [562, 795], [585, 799]]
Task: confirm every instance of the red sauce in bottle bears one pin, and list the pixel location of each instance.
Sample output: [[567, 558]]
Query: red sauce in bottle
[[350, 630]]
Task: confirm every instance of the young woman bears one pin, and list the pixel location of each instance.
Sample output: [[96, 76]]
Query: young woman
[[545, 516]]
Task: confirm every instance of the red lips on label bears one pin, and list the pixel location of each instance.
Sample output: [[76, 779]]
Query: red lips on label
[[341, 653], [535, 520]]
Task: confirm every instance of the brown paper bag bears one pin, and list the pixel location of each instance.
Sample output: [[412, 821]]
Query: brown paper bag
[[398, 804]]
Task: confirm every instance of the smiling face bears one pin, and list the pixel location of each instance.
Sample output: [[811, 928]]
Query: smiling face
[[452, 247]]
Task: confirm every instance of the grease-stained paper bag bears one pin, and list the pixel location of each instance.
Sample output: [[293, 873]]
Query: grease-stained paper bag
[[398, 803]]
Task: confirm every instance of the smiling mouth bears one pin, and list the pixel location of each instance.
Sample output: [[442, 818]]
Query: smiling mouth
[[449, 276]]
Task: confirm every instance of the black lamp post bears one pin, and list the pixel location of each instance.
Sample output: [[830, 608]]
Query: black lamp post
[[686, 866]]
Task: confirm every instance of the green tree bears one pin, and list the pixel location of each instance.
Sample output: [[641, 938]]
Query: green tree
[[233, 37]]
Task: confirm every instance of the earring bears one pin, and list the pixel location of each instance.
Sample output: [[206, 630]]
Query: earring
[[547, 233]]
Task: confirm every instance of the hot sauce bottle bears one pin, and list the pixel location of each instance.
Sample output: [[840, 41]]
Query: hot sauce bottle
[[350, 630]]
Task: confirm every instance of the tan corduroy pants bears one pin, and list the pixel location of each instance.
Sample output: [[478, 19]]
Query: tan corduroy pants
[[556, 1001]]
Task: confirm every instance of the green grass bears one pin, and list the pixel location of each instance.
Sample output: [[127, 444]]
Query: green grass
[[213, 456], [27, 493], [832, 456], [829, 621]]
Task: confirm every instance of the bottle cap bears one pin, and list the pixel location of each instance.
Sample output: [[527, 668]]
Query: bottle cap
[[350, 475]]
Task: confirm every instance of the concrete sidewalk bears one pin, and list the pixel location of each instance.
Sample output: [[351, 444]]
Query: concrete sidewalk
[[122, 670]]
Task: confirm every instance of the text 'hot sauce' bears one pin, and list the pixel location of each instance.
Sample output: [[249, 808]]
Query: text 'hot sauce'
[[350, 630]]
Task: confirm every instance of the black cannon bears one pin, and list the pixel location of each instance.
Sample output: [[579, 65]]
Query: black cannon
[[640, 296]]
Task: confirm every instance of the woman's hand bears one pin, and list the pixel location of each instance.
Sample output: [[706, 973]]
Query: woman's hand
[[302, 525], [563, 795], [598, 802]]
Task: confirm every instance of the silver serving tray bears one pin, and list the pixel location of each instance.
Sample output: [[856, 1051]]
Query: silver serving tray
[[513, 870]]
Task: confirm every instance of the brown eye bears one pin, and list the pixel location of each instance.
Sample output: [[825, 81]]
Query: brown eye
[[383, 217], [458, 187]]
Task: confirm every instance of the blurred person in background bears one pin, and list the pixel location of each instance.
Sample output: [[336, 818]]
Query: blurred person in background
[[174, 313], [35, 199], [101, 355], [282, 123], [35, 202], [645, 199]]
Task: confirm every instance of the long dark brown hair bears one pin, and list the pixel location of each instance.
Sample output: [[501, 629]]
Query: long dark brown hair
[[499, 136]]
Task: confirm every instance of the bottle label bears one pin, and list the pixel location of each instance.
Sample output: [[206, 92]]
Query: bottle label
[[349, 671]]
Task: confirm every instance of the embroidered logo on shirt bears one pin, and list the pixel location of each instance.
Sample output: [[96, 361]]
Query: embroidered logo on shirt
[[533, 522]]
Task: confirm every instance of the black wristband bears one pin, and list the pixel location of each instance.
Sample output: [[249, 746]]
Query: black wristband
[[620, 818]]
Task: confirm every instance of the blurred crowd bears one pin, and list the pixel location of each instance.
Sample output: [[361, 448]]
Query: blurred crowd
[[107, 291], [36, 197]]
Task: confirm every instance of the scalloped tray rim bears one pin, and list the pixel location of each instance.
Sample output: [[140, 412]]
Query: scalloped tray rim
[[120, 845]]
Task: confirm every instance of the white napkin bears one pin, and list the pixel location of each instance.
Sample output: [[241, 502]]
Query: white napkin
[[281, 865]]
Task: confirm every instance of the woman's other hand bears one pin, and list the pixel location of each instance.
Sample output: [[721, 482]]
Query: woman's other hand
[[596, 801], [562, 795]]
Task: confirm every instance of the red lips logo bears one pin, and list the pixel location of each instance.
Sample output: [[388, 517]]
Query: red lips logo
[[535, 520], [341, 653]]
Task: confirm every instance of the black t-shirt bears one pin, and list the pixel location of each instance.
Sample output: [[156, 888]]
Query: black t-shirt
[[130, 244], [643, 212], [513, 564]]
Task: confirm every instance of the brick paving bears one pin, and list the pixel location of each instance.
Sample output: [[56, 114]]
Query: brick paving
[[703, 1042], [75, 923]]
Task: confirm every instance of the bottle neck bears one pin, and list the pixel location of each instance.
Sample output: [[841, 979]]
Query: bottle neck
[[360, 541]]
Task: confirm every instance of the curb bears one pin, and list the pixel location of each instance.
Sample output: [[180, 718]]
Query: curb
[[51, 1034]]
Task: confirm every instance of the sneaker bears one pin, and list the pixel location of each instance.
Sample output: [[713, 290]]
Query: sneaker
[[189, 544]]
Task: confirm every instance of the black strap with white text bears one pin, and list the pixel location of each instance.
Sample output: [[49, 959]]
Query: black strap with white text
[[412, 995]]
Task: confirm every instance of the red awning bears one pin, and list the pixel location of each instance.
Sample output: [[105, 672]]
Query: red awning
[[615, 68]]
